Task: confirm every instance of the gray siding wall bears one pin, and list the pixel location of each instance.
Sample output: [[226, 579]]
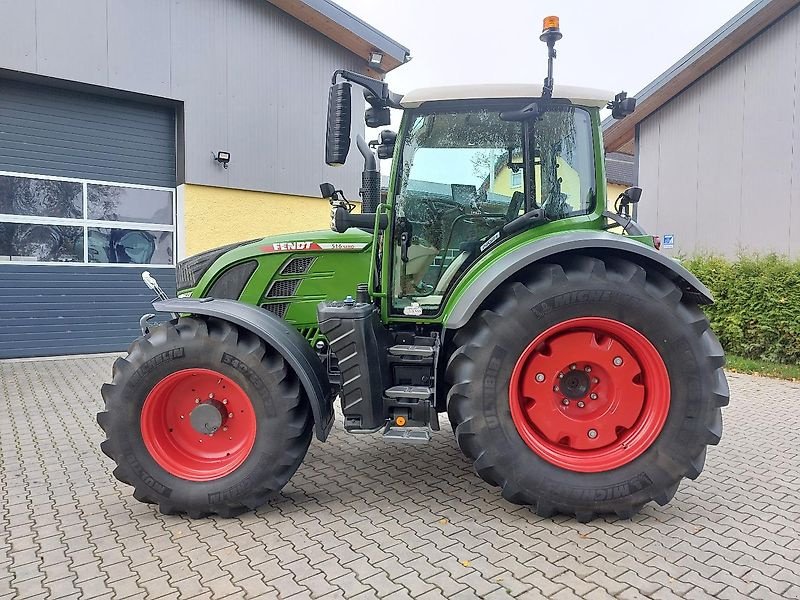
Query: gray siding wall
[[52, 310], [49, 131], [720, 163], [253, 79]]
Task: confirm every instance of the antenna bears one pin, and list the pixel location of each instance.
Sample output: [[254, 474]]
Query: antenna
[[551, 33]]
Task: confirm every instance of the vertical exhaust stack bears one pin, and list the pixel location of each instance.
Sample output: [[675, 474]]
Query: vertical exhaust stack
[[551, 33], [370, 178]]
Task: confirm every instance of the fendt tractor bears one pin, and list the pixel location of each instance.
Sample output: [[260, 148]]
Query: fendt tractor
[[491, 283]]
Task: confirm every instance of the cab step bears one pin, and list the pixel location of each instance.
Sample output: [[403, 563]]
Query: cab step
[[412, 351], [407, 435], [410, 392]]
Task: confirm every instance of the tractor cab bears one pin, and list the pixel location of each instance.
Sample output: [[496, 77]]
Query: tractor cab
[[471, 173], [473, 166]]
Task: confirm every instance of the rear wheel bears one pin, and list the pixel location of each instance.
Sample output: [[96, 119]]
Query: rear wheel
[[590, 386], [204, 418]]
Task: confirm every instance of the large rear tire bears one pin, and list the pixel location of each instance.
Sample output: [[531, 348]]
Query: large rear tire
[[204, 418], [587, 387]]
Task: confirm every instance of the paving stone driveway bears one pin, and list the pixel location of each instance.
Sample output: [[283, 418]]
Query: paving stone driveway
[[366, 519]]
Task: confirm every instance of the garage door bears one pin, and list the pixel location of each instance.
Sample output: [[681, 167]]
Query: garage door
[[87, 202]]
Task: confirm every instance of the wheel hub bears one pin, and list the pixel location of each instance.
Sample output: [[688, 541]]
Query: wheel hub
[[208, 417], [198, 424], [575, 384], [589, 394]]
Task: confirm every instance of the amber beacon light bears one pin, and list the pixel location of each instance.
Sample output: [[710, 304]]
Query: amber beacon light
[[551, 29]]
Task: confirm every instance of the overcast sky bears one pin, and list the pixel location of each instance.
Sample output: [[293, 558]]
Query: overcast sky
[[615, 45]]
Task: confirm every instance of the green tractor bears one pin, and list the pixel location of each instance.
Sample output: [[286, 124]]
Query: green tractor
[[490, 283]]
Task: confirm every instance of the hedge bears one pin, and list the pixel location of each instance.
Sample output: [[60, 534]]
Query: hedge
[[757, 309]]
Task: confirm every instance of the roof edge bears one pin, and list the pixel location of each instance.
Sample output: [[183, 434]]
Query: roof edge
[[347, 30], [753, 20]]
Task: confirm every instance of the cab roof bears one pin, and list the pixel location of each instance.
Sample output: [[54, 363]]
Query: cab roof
[[494, 91]]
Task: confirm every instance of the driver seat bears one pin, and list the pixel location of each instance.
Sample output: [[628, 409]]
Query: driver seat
[[468, 248]]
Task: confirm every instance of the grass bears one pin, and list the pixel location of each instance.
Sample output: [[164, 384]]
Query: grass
[[762, 367]]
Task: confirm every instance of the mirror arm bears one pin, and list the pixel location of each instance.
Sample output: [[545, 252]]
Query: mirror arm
[[376, 92]]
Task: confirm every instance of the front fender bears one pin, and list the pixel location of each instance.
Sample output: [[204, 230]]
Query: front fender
[[279, 335], [594, 243]]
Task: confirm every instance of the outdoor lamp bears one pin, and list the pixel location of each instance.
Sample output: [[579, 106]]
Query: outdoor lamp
[[223, 158]]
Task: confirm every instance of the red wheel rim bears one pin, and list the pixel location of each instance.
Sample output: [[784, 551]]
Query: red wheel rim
[[589, 394], [178, 423]]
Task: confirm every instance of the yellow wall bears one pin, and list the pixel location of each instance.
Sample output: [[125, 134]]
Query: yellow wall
[[215, 216], [570, 181]]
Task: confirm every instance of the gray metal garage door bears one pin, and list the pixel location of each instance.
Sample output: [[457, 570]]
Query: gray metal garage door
[[87, 202]]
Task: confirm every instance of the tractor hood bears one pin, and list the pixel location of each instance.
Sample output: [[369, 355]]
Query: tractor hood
[[288, 268]]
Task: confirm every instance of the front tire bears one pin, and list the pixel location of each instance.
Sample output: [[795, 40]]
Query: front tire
[[203, 418], [589, 386]]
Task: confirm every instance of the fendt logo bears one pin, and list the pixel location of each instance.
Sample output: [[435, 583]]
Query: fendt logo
[[295, 246], [291, 246]]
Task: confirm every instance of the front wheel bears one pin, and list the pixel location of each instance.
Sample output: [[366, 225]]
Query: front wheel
[[204, 418], [589, 386]]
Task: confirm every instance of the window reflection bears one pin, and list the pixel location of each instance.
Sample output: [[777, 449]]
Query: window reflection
[[49, 243], [40, 197], [116, 203], [46, 222], [130, 246]]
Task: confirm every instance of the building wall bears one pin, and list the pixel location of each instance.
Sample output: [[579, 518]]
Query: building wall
[[252, 79], [720, 163], [215, 216]]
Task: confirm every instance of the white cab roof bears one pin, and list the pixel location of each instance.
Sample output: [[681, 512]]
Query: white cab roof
[[577, 95]]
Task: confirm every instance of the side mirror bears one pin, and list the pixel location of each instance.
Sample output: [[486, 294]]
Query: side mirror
[[327, 190], [377, 117], [632, 194], [386, 142], [622, 106], [337, 134]]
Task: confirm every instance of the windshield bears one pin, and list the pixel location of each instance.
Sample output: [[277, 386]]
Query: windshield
[[464, 175]]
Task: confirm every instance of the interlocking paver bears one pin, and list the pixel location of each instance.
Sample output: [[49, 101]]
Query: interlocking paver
[[364, 519]]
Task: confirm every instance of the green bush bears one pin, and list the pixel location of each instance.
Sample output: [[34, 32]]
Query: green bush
[[757, 309]]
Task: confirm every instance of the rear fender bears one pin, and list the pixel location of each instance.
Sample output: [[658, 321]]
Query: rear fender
[[279, 335], [592, 243]]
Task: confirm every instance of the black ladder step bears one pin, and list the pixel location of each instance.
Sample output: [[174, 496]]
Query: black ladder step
[[409, 350], [417, 392]]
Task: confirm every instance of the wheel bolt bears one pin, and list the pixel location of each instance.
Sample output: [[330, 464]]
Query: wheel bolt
[[593, 396], [225, 401], [224, 429], [588, 369], [556, 388], [581, 404], [561, 376], [197, 400], [565, 402], [573, 367], [211, 396], [230, 415], [617, 361], [595, 380], [540, 377], [592, 433], [181, 416]]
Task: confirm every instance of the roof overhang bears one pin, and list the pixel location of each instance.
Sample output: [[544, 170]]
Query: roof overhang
[[495, 91], [347, 30], [619, 135]]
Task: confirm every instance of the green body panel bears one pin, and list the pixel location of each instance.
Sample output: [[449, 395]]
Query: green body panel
[[345, 260], [335, 273]]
